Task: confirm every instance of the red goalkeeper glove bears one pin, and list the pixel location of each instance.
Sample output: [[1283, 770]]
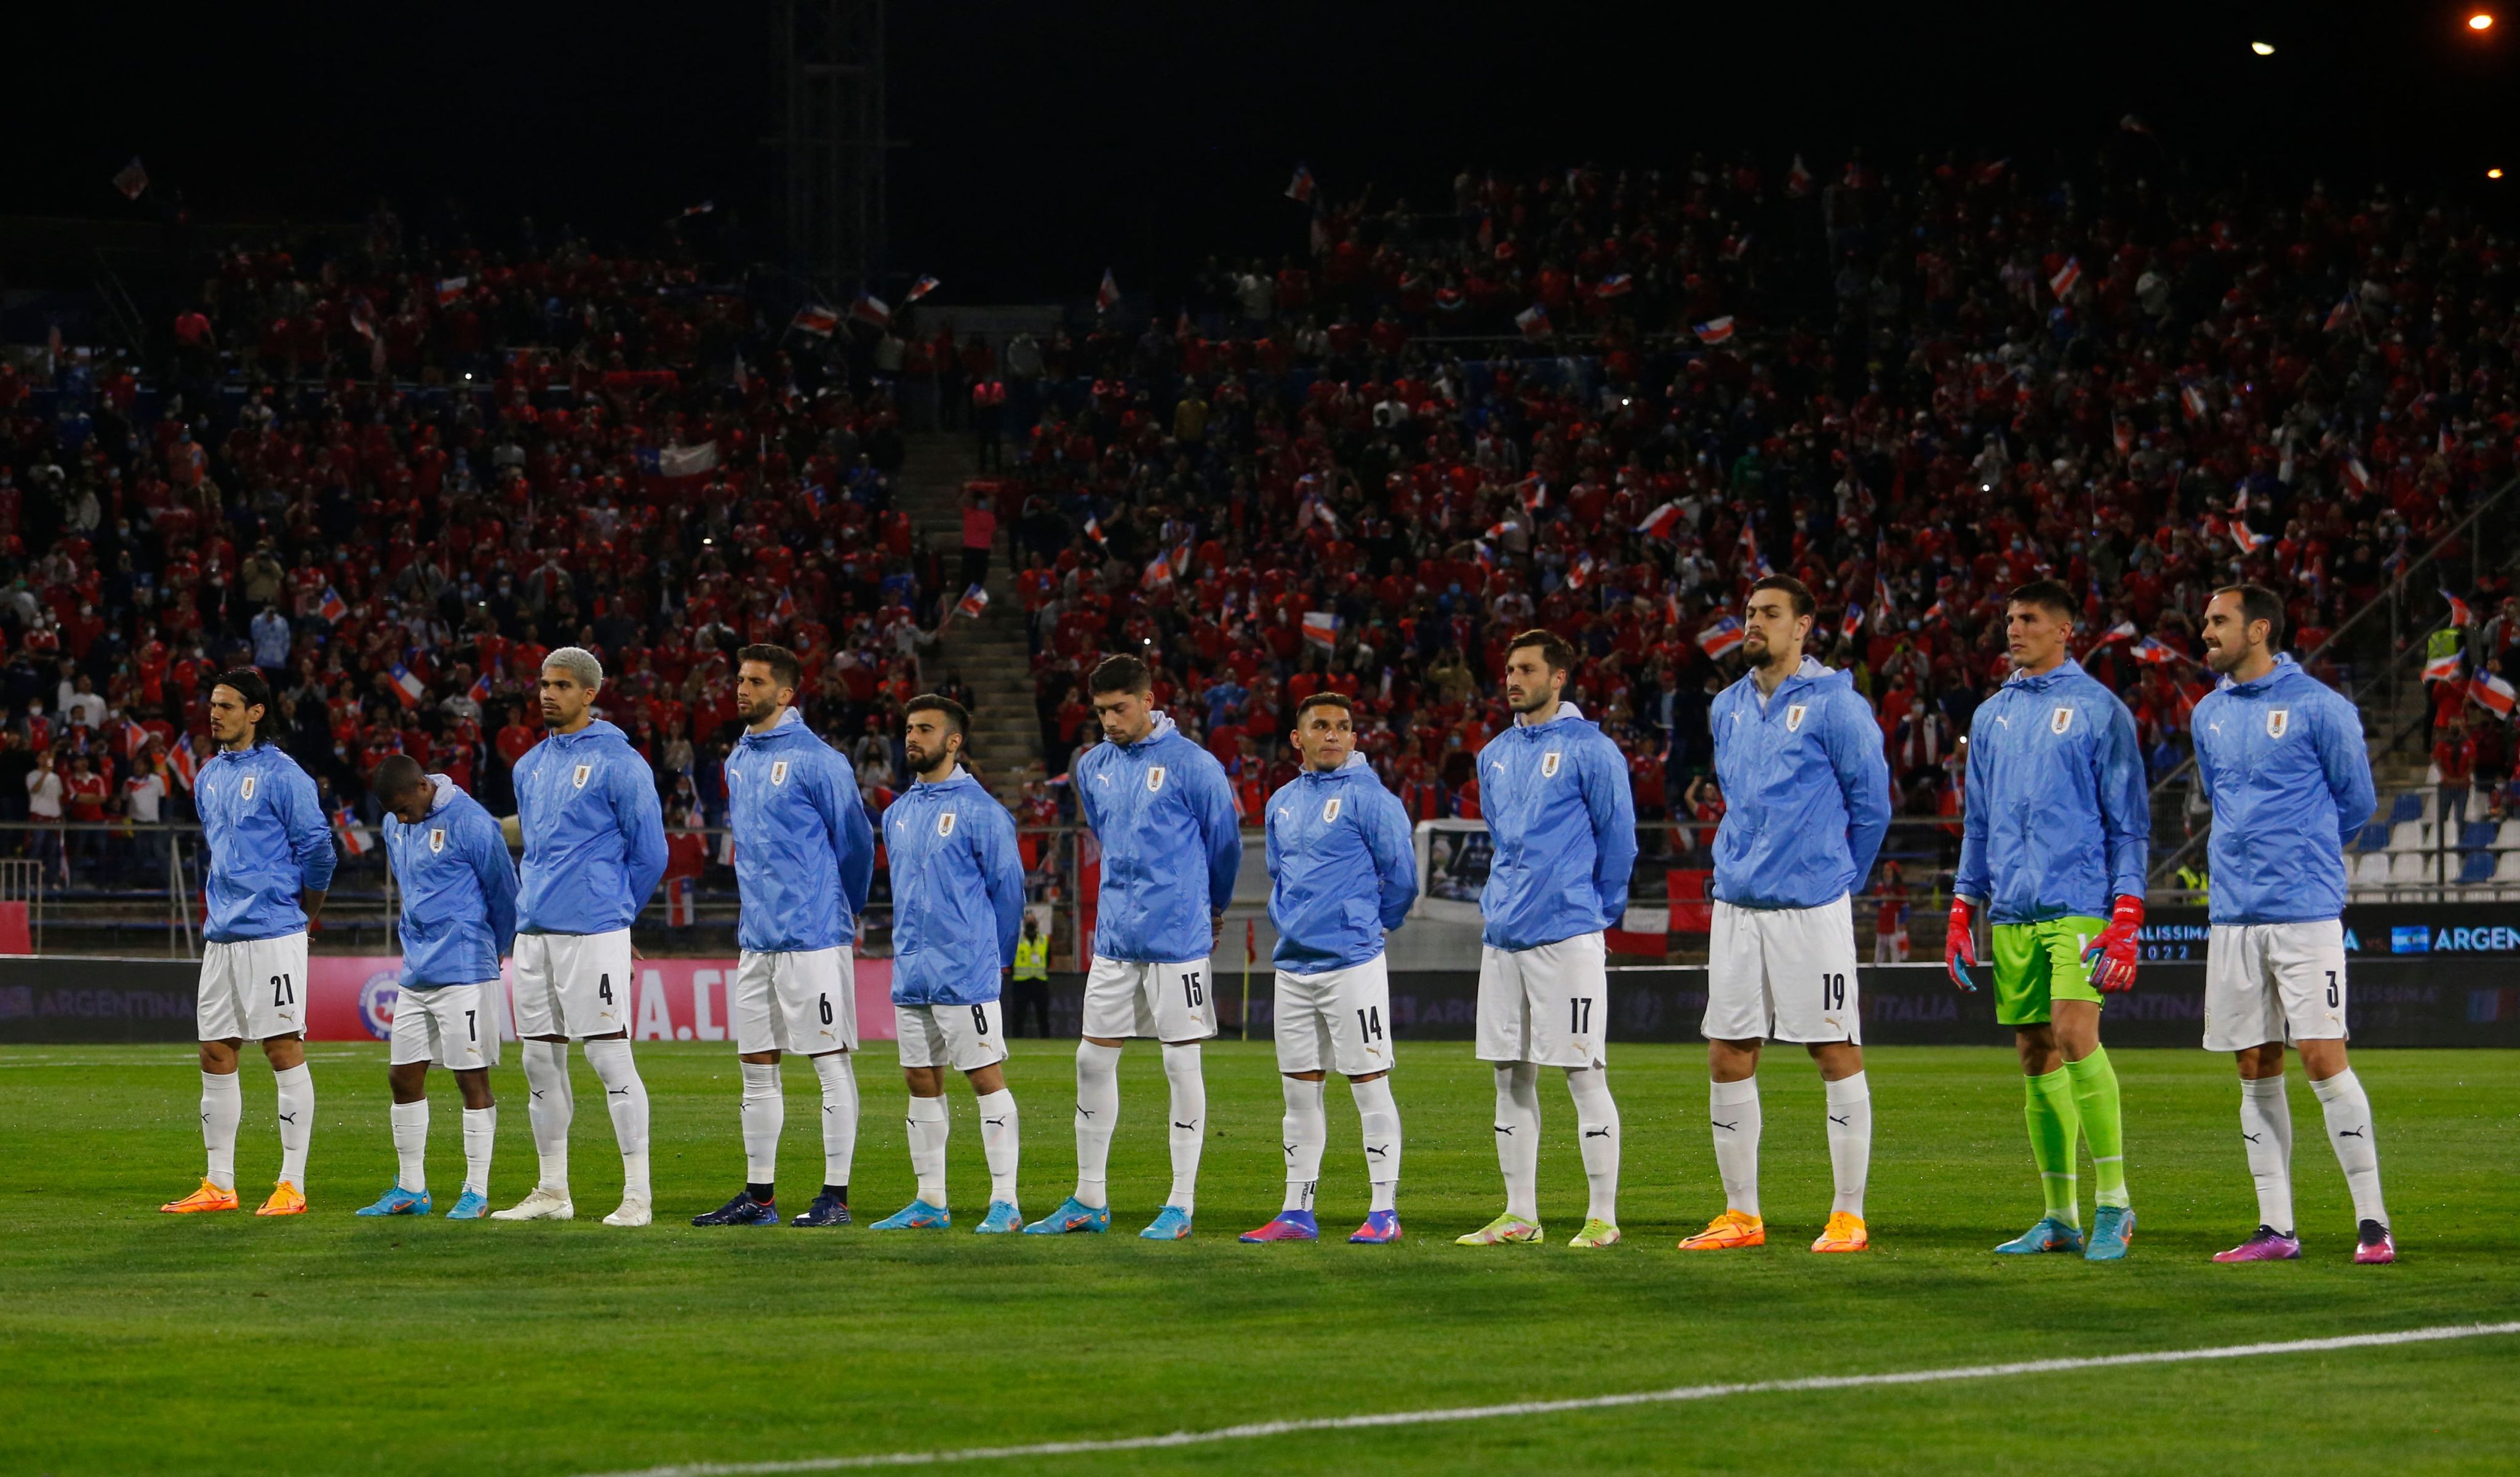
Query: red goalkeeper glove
[[2117, 947], [1959, 944]]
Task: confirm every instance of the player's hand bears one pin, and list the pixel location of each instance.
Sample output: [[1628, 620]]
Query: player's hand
[[1959, 944], [1215, 931], [2117, 947]]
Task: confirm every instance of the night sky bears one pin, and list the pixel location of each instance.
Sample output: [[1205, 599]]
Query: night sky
[[1044, 142]]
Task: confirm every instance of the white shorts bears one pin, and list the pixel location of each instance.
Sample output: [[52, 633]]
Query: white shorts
[[1550, 1004], [253, 988], [573, 985], [2273, 982], [1339, 1020], [444, 1026], [1782, 974], [965, 1038], [1171, 1002], [796, 1001]]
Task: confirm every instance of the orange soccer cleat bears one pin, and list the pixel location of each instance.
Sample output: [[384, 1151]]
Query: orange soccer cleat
[[209, 1197], [286, 1200], [1845, 1232], [1729, 1231]]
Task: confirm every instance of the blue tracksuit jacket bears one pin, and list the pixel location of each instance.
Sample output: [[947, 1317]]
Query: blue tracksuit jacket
[[957, 892], [2284, 762], [2059, 818], [595, 832], [1342, 868], [1806, 790], [1163, 813], [269, 839], [1564, 822], [459, 891], [804, 852]]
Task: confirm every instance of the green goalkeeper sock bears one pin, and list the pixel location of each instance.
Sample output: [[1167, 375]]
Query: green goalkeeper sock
[[2096, 1100], [2048, 1104]]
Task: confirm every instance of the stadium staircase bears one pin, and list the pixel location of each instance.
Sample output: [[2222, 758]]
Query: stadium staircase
[[989, 654]]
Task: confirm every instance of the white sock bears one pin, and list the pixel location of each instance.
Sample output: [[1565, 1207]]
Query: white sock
[[1597, 1121], [627, 1097], [2350, 1133], [1379, 1118], [481, 1135], [1303, 1131], [928, 1126], [2266, 1132], [764, 1113], [1001, 1142], [1850, 1140], [410, 1145], [1189, 1121], [1098, 1112], [1518, 1137], [548, 1107], [1733, 1110], [222, 1107], [840, 1079], [296, 1122]]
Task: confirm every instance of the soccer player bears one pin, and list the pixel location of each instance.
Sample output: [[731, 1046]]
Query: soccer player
[[1555, 791], [1163, 812], [804, 859], [595, 847], [2280, 754], [2058, 821], [271, 862], [1342, 872], [958, 900], [1799, 756], [459, 916]]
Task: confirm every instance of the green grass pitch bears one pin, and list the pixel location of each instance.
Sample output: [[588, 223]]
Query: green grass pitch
[[135, 1341]]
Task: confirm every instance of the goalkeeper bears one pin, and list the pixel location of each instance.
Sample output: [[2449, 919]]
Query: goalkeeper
[[2057, 826]]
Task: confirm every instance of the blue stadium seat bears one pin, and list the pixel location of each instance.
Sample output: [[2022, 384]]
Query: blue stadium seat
[[2374, 837], [2475, 834], [2409, 807], [2478, 867]]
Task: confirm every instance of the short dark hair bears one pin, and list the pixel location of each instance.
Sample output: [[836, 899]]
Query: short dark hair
[[1120, 673], [397, 776], [1795, 591], [1553, 649], [785, 669], [1324, 699], [2259, 603], [955, 712], [251, 686], [2048, 595]]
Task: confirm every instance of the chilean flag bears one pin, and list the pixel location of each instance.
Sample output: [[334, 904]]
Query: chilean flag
[[2441, 668], [1580, 573], [2250, 542], [1854, 622], [183, 763], [681, 909], [872, 311], [2193, 399], [1714, 330], [353, 837], [1616, 285], [974, 601], [1321, 628], [2459, 614], [451, 288], [134, 739], [1798, 180], [2066, 276], [2124, 631], [679, 461], [2153, 653], [332, 607], [1300, 188], [2356, 474], [2340, 315], [1108, 294], [921, 289], [1661, 521], [407, 686], [1721, 638], [815, 319], [480, 689], [1533, 321], [2492, 694], [1094, 529], [1751, 554]]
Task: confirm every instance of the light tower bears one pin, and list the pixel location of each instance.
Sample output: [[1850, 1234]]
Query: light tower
[[831, 82]]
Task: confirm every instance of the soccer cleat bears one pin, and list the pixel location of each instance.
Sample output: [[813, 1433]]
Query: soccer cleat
[[286, 1200], [635, 1211], [1734, 1230], [209, 1197], [1508, 1230], [742, 1210], [1287, 1225], [1844, 1232], [1595, 1235], [544, 1204], [2375, 1246], [1003, 1217], [1072, 1215], [1171, 1224], [827, 1210], [2265, 1244], [1380, 1228], [471, 1205], [2112, 1232], [398, 1202], [2050, 1234], [918, 1215]]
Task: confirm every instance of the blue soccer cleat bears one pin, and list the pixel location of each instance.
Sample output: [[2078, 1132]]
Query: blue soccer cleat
[[1002, 1218], [2050, 1234], [918, 1215], [398, 1202], [1286, 1225], [2112, 1227], [1171, 1224], [827, 1210], [471, 1205], [742, 1210], [1380, 1228], [1072, 1215]]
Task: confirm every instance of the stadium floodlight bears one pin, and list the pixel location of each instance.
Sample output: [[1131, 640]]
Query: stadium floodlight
[[2480, 20], [2263, 48], [2494, 173]]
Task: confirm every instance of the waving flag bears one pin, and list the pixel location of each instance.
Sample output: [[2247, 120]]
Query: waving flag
[[2249, 541], [1534, 322], [1616, 285], [1500, 528], [681, 909], [2356, 474], [1108, 294], [131, 179], [407, 686], [2441, 668], [2124, 631], [1580, 573], [451, 288], [1661, 521], [1751, 554], [872, 311], [815, 319], [332, 607], [702, 208], [2492, 693], [1720, 638], [2066, 276], [1798, 180], [921, 289], [1714, 330], [973, 603], [2460, 614], [1853, 621], [181, 759], [2192, 400], [1988, 174], [1094, 529], [1300, 188], [134, 739], [2340, 315], [1159, 572], [2153, 653], [352, 836], [480, 691], [1321, 628]]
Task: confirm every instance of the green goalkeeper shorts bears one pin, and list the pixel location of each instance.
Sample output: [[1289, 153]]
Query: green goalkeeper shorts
[[2037, 963]]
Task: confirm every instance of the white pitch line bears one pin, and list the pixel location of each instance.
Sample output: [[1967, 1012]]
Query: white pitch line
[[1261, 1429]]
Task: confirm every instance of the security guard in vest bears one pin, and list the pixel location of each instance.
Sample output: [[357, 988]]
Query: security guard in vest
[[2192, 881], [1032, 978]]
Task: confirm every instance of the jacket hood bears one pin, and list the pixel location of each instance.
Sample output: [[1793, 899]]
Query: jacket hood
[[2039, 683], [446, 793], [1566, 710], [790, 726], [1164, 728], [1356, 759], [1810, 675], [597, 730], [960, 779], [2285, 668]]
